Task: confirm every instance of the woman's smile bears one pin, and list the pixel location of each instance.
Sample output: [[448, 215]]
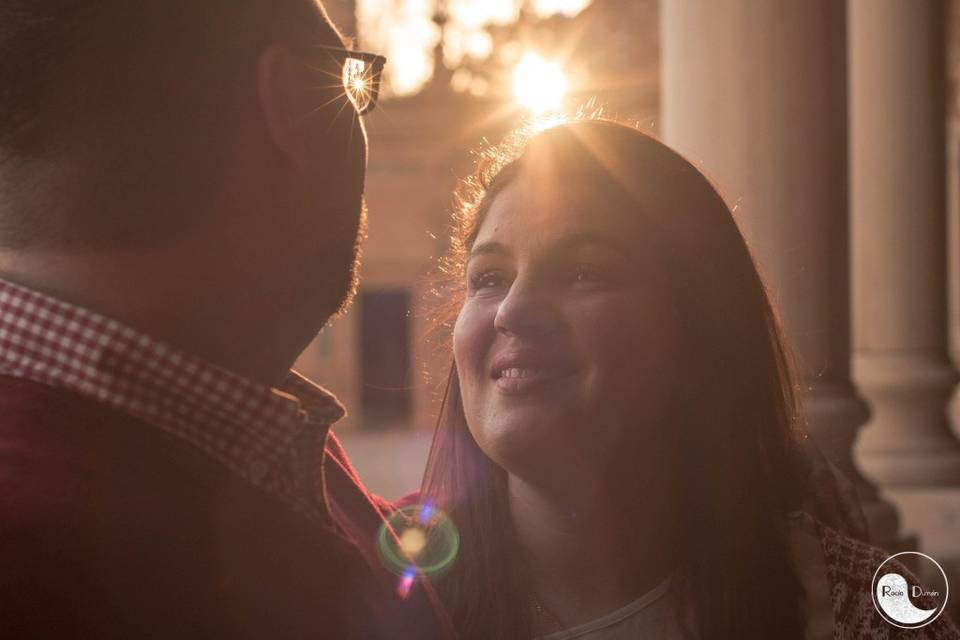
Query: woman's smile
[[519, 381], [523, 370]]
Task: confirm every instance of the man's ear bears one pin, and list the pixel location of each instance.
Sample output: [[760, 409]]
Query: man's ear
[[279, 84]]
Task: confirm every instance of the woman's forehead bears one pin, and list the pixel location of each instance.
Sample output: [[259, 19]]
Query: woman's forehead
[[535, 209]]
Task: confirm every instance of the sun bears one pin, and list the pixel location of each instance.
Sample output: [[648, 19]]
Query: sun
[[538, 84]]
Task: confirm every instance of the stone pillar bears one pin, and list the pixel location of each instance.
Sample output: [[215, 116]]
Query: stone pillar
[[899, 220], [755, 92]]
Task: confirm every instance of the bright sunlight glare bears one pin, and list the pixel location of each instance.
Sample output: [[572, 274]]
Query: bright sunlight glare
[[405, 32], [539, 85], [546, 8]]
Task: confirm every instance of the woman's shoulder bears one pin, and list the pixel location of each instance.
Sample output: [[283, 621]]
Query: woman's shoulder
[[408, 500], [850, 565]]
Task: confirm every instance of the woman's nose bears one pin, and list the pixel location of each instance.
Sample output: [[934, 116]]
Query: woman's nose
[[527, 311]]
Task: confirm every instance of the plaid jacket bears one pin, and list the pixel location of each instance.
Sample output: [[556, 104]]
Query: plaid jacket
[[146, 493]]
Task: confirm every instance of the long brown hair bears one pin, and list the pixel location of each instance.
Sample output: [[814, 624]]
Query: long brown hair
[[737, 419]]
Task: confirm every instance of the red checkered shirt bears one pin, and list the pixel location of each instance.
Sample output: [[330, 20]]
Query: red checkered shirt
[[272, 437]]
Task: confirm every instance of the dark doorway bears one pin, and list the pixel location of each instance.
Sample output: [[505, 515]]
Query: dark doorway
[[385, 357]]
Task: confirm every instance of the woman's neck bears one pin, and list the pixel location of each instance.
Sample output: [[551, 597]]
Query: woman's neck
[[586, 556]]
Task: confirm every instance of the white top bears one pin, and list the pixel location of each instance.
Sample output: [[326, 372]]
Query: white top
[[652, 615], [655, 614]]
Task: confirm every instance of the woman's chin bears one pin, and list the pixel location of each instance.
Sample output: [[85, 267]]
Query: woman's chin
[[526, 437]]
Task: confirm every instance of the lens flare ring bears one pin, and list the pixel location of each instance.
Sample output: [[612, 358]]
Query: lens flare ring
[[418, 539]]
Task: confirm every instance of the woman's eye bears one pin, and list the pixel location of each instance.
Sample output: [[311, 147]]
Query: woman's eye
[[587, 274], [486, 280]]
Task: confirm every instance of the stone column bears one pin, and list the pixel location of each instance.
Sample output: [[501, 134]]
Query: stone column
[[899, 221], [755, 92]]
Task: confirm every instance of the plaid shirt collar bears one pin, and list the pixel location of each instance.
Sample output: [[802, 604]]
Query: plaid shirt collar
[[269, 436]]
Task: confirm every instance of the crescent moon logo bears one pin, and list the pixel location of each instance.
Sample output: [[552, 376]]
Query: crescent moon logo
[[893, 596], [897, 600]]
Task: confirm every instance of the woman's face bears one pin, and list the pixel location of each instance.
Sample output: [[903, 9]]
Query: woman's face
[[566, 339]]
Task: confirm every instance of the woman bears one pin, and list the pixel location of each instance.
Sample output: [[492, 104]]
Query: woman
[[618, 442]]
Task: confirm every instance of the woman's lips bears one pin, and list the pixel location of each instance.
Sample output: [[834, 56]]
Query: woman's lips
[[522, 368], [523, 379]]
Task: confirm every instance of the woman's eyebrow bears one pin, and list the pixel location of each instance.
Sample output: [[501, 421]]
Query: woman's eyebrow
[[486, 248], [596, 239], [563, 246]]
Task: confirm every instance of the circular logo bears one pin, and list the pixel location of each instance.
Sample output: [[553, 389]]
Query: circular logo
[[901, 601]]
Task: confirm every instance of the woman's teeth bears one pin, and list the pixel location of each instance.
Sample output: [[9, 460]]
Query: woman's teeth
[[523, 373]]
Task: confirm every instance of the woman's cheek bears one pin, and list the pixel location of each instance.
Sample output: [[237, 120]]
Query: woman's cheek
[[623, 341], [471, 336], [606, 324]]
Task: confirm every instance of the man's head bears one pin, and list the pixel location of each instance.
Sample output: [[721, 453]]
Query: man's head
[[194, 130]]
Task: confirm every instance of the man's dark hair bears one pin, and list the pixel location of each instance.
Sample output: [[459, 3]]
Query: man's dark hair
[[160, 78], [64, 61]]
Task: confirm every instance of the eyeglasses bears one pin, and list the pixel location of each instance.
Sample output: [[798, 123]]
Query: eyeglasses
[[360, 73]]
